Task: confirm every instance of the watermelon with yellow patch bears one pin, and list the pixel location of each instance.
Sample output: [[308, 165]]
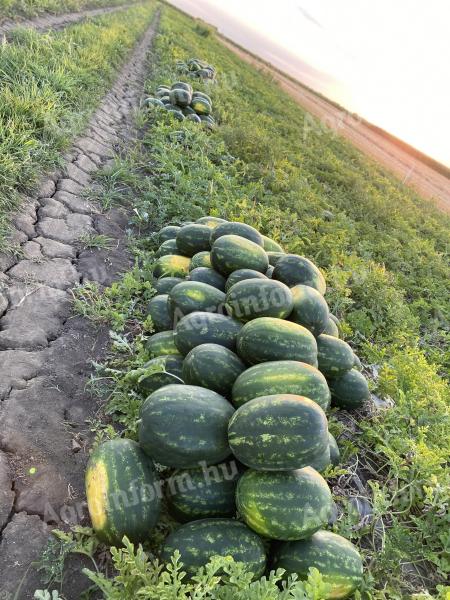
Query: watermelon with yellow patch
[[172, 265], [122, 492]]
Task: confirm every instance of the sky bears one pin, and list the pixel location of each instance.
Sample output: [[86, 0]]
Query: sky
[[387, 60]]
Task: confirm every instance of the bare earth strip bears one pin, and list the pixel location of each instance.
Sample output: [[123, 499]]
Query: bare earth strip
[[46, 22], [45, 351], [407, 168]]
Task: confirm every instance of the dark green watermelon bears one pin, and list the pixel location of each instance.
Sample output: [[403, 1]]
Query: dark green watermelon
[[209, 276], [212, 366], [199, 541], [161, 371], [201, 259], [241, 229], [310, 309], [253, 298], [192, 296], [193, 238], [167, 247], [335, 455], [161, 344], [158, 310], [169, 232], [232, 252], [242, 274], [271, 245], [164, 285], [281, 432], [335, 356], [284, 505], [292, 269], [274, 257], [206, 328], [331, 328], [211, 222], [350, 390]]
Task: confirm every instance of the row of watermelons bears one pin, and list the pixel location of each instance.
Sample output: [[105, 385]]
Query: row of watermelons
[[184, 103], [244, 362], [194, 67]]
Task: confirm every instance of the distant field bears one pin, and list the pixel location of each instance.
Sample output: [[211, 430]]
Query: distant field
[[32, 8]]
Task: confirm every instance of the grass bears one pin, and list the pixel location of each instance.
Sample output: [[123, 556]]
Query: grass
[[383, 250], [32, 8], [49, 85]]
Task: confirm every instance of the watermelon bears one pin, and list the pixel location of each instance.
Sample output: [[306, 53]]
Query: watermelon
[[161, 344], [335, 319], [201, 106], [211, 222], [175, 111], [208, 121], [194, 238], [180, 97], [274, 257], [122, 492], [162, 91], [199, 541], [164, 285], [198, 94], [201, 259], [284, 505], [281, 377], [201, 493], [357, 363], [188, 111], [337, 560], [252, 298], [171, 265], [194, 118], [269, 339], [159, 312], [167, 247], [335, 455], [310, 309], [191, 296], [281, 432], [292, 269], [212, 366], [322, 461], [161, 371], [209, 276], [153, 102], [271, 245], [232, 252], [270, 271], [184, 425], [335, 356], [168, 233], [242, 274], [350, 390], [241, 229], [181, 85], [206, 328], [166, 100], [331, 328]]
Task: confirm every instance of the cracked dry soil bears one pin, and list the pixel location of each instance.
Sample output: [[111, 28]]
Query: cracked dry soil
[[45, 351]]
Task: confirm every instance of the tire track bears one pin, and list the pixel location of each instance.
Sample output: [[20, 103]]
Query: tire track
[[46, 352]]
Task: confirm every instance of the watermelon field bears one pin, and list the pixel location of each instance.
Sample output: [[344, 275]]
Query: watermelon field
[[224, 342]]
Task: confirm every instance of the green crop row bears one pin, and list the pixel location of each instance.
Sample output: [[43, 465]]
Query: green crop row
[[32, 8], [49, 85]]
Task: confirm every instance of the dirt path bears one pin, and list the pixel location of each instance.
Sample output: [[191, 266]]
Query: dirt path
[[45, 22], [406, 167], [46, 352]]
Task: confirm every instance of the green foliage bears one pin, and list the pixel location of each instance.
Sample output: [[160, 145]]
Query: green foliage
[[31, 8], [220, 579]]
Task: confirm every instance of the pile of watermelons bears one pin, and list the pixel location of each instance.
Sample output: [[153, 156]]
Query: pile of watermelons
[[194, 67], [184, 103], [244, 363]]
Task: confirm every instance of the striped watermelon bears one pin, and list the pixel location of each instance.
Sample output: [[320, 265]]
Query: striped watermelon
[[193, 238], [335, 356], [168, 233], [310, 309], [357, 363], [331, 328], [171, 265], [190, 296], [274, 257], [281, 377], [252, 298], [167, 247], [337, 559], [284, 505], [122, 492], [281, 432], [232, 252], [212, 366], [211, 222], [242, 274], [161, 344], [292, 269], [271, 245], [209, 276], [183, 425], [201, 493], [161, 371], [199, 541], [350, 390], [268, 339], [201, 259], [158, 310], [164, 285], [206, 328], [335, 455], [234, 228]]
